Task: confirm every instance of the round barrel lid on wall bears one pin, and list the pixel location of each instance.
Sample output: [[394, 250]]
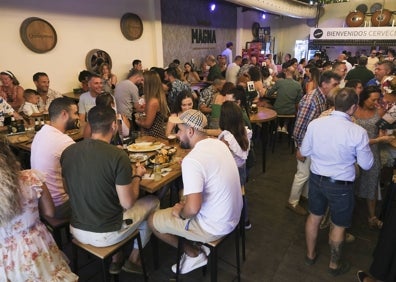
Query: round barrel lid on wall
[[38, 35], [95, 58], [131, 26]]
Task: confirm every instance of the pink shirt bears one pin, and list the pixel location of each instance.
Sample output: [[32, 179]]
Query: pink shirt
[[47, 147]]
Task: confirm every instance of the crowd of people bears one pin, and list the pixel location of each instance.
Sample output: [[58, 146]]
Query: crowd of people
[[337, 108]]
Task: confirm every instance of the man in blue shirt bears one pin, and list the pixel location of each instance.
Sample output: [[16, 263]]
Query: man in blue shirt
[[334, 144]]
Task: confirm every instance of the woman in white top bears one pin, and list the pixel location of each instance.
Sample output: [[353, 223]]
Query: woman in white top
[[237, 137]]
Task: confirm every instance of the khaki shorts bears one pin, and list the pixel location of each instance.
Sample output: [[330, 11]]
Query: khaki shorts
[[165, 222]]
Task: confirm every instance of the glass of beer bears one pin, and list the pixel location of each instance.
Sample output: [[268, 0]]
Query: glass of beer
[[172, 139]]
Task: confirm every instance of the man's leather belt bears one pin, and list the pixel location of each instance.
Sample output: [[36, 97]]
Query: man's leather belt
[[335, 181]]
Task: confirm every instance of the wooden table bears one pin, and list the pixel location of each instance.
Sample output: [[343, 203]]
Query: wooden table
[[263, 117], [14, 140], [198, 86], [74, 96], [151, 185]]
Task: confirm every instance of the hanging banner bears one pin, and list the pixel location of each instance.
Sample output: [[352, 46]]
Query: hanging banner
[[354, 33]]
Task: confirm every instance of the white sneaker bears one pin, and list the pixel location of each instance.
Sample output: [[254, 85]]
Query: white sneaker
[[188, 264], [284, 130]]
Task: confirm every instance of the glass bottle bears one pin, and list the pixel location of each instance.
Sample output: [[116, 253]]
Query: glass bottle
[[157, 172], [13, 127], [36, 125], [20, 126]]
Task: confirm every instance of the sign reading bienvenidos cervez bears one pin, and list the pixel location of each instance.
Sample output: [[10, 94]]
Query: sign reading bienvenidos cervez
[[359, 33], [38, 35]]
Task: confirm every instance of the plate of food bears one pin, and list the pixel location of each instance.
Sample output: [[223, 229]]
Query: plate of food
[[138, 158], [168, 150], [159, 159], [145, 147]]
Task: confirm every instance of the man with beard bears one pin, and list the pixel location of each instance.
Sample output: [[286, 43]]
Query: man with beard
[[47, 95], [213, 199], [47, 147]]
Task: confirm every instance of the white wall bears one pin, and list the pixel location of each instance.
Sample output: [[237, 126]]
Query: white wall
[[81, 26]]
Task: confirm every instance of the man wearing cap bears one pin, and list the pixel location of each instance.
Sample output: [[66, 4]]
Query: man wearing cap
[[213, 199]]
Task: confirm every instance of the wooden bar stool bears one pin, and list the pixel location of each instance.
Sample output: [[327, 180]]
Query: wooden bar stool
[[55, 226], [105, 252], [213, 246], [291, 119]]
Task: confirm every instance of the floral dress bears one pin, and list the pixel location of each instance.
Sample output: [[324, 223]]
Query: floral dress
[[367, 182], [27, 250]]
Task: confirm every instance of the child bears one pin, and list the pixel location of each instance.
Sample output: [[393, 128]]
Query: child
[[29, 107]]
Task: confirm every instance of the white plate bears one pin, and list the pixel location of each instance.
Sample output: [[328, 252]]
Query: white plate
[[138, 158], [145, 146]]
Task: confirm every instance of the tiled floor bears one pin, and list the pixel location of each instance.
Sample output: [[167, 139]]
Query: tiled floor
[[275, 244]]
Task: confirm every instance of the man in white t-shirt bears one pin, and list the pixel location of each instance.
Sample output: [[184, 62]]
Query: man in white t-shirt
[[47, 147], [233, 69], [213, 199]]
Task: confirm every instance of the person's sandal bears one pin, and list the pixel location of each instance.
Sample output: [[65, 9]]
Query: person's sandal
[[342, 268], [374, 223], [115, 267], [308, 261], [132, 267]]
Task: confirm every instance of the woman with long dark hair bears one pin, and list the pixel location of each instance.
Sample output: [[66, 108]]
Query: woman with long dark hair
[[190, 75], [237, 137], [184, 101], [367, 183]]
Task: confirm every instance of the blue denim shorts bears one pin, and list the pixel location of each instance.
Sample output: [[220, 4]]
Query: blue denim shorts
[[338, 196]]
